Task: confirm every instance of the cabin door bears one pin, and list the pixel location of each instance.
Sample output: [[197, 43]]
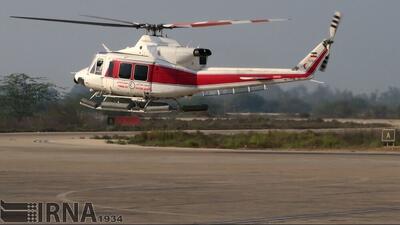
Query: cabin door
[[122, 78], [140, 85]]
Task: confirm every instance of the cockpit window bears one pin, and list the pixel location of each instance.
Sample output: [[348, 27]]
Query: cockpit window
[[93, 68], [99, 66]]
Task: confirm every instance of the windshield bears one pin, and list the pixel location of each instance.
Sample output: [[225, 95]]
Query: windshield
[[97, 67]]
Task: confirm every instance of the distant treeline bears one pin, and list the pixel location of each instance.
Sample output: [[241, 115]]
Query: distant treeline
[[29, 103], [320, 102]]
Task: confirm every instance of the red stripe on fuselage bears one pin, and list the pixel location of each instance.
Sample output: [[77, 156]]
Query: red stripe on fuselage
[[165, 75]]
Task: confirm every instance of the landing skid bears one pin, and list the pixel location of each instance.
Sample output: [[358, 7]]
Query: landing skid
[[137, 105]]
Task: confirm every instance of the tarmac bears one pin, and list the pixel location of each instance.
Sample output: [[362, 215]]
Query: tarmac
[[180, 185]]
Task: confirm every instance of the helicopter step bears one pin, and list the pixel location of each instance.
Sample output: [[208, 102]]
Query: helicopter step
[[138, 105], [116, 105], [127, 106], [89, 103]]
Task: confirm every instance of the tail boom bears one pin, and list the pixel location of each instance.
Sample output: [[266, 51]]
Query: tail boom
[[212, 78]]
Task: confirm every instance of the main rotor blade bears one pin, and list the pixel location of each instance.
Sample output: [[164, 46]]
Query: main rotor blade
[[110, 19], [219, 23], [79, 22]]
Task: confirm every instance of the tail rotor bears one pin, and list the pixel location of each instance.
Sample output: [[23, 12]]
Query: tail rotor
[[332, 32]]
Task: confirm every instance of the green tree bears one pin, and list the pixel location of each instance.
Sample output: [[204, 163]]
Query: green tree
[[22, 95]]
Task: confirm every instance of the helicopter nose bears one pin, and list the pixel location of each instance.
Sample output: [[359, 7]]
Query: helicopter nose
[[79, 77]]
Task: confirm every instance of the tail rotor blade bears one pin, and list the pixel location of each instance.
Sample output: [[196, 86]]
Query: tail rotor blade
[[335, 24], [324, 64], [332, 32]]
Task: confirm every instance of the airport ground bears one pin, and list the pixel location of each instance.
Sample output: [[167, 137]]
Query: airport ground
[[170, 185]]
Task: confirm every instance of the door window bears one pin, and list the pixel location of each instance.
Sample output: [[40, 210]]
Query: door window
[[125, 70], [141, 72]]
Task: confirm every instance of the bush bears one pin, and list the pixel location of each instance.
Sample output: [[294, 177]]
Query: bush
[[273, 139]]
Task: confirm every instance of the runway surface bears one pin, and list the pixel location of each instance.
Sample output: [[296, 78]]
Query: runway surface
[[151, 185]]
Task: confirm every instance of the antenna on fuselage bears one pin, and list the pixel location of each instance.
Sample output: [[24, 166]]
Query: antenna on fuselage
[[106, 48]]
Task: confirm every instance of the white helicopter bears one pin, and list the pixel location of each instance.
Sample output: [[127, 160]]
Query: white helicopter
[[140, 78]]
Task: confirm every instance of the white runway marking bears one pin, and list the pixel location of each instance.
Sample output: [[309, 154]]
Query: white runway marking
[[64, 198]]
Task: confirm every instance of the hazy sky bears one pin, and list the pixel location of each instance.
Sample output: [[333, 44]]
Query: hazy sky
[[365, 55]]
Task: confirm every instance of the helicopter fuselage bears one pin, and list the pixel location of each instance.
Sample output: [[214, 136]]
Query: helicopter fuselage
[[159, 67]]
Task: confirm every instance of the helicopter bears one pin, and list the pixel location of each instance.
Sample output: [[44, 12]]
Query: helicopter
[[146, 77]]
